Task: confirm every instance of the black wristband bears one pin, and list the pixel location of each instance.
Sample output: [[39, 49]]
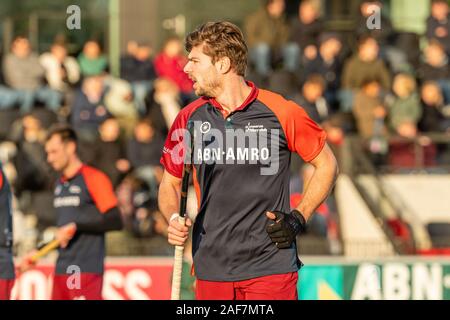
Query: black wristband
[[301, 218]]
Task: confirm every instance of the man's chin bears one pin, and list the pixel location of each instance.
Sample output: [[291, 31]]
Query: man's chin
[[57, 169], [199, 92]]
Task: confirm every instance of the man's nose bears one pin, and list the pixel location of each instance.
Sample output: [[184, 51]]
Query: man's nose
[[187, 67]]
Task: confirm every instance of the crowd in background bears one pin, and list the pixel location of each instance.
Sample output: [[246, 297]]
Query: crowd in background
[[377, 84]]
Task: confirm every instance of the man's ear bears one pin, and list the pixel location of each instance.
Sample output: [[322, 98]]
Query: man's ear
[[223, 65], [71, 147]]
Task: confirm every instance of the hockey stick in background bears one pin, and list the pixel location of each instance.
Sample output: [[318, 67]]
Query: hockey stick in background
[[30, 259], [187, 168], [44, 249]]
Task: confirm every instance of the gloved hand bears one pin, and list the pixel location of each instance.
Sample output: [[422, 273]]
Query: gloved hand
[[285, 228]]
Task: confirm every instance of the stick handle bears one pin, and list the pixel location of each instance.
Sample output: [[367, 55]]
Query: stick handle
[[45, 250], [177, 268]]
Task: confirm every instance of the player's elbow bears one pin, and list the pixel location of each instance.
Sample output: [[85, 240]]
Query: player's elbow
[[114, 221]]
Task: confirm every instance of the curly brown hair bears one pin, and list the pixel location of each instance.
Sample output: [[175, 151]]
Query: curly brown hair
[[220, 39]]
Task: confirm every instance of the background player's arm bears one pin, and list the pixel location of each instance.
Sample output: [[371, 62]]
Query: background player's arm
[[100, 222], [322, 181], [169, 203], [108, 217]]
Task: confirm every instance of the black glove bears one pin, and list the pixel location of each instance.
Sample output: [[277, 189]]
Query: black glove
[[286, 227]]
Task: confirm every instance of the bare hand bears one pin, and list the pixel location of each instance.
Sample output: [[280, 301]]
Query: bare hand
[[27, 262], [65, 234], [177, 233]]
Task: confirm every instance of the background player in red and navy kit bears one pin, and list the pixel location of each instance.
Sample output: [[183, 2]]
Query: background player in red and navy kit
[[84, 200], [244, 235], [7, 275]]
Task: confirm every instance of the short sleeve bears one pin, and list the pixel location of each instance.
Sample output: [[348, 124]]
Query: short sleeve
[[100, 189], [174, 149], [304, 136]]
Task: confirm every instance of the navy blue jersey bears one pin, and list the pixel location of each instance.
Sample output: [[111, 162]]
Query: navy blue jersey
[[6, 234], [81, 199], [238, 182]]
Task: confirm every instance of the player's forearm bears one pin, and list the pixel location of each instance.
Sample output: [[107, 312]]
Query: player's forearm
[[100, 223], [168, 199], [318, 188]]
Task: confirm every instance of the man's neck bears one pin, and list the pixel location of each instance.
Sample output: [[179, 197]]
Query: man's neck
[[234, 93], [72, 169]]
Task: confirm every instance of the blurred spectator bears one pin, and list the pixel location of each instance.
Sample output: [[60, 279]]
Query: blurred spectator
[[370, 113], [92, 61], [267, 35], [435, 114], [61, 70], [164, 105], [438, 24], [405, 110], [8, 98], [169, 63], [136, 67], [327, 63], [119, 102], [306, 28], [365, 64], [435, 65], [144, 150], [384, 34], [368, 109], [88, 109], [139, 209], [312, 100], [24, 73], [110, 151]]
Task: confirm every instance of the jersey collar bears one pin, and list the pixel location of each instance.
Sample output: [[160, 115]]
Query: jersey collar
[[250, 98], [65, 179]]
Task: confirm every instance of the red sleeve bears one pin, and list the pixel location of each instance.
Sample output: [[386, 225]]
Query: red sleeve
[[303, 135], [173, 151], [1, 179], [100, 188]]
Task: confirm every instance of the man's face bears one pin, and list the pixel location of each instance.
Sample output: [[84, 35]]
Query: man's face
[[276, 8], [434, 55], [368, 8], [201, 70], [330, 48], [59, 52], [93, 86], [307, 13], [143, 132], [59, 153], [439, 10], [368, 51], [173, 48], [91, 50], [21, 47], [372, 89], [110, 130], [431, 94], [143, 53], [312, 91]]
